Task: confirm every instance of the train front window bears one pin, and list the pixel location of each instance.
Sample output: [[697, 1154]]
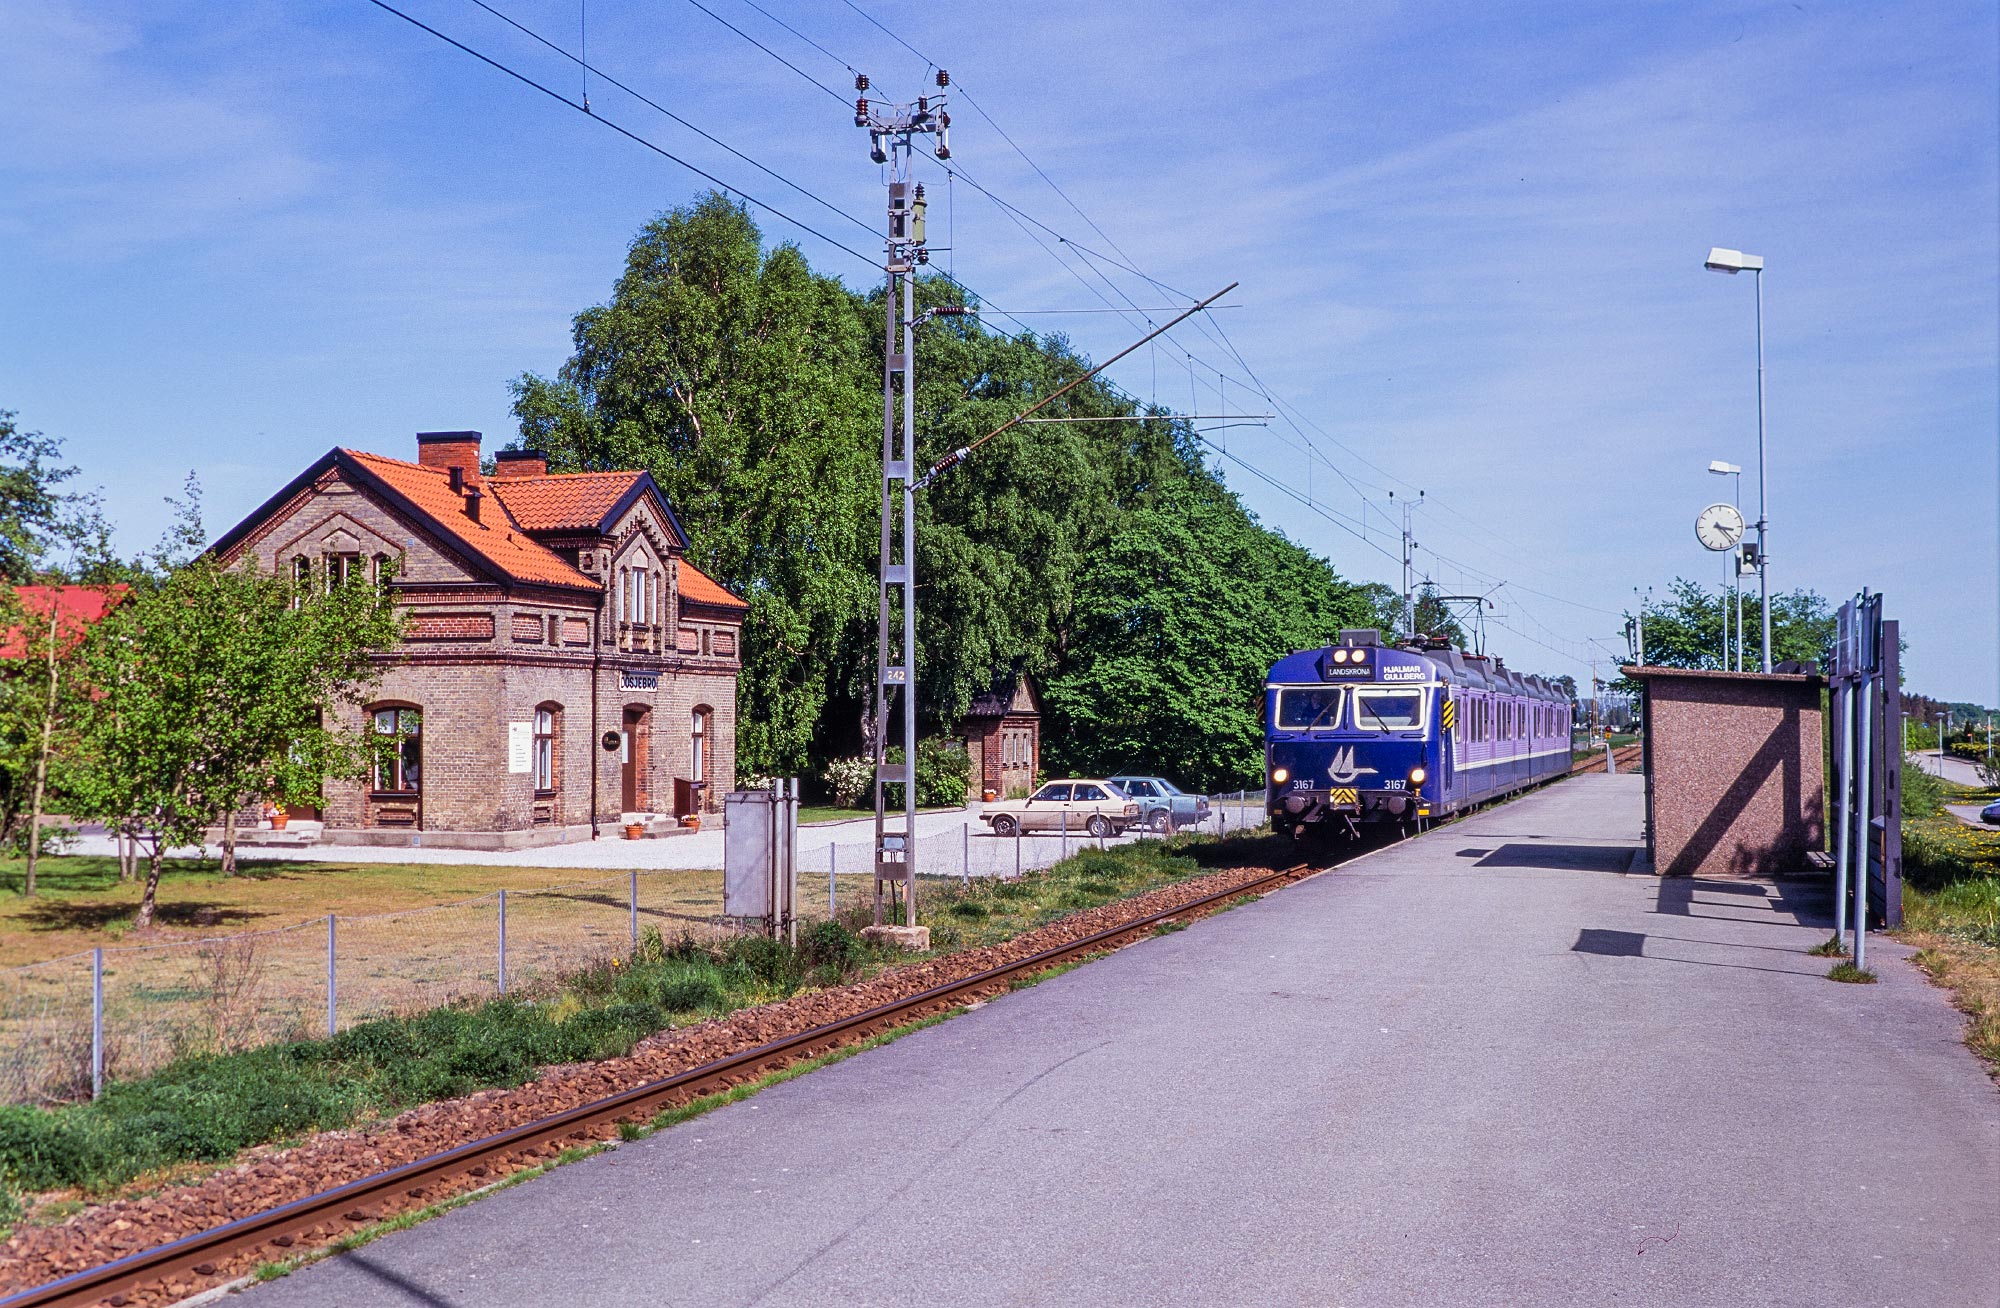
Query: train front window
[[1384, 709], [1309, 708]]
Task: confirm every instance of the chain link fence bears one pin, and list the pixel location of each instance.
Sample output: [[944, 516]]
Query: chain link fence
[[70, 1025]]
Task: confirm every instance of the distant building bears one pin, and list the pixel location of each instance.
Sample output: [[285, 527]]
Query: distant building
[[1003, 738], [565, 670]]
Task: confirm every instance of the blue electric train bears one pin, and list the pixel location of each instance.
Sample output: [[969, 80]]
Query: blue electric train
[[1362, 734]]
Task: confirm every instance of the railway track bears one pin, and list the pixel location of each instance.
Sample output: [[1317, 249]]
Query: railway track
[[1628, 757], [216, 1256]]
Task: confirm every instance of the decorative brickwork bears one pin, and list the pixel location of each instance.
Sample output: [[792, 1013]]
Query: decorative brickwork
[[450, 626], [477, 675]]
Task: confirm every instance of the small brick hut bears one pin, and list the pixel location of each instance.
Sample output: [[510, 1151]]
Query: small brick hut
[[565, 670], [1003, 738], [1735, 774]]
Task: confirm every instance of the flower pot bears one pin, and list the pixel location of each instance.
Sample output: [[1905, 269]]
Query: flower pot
[[635, 830], [279, 819], [991, 794], [692, 822]]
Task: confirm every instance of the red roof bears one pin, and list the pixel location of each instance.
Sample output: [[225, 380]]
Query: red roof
[[496, 537], [563, 501], [76, 607], [698, 586]]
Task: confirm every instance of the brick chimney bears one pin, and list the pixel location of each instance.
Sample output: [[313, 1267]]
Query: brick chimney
[[450, 449], [520, 463]]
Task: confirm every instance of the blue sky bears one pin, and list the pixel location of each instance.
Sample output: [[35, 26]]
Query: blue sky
[[1469, 240]]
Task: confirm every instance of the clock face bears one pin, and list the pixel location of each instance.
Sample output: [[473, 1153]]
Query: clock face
[[1719, 527]]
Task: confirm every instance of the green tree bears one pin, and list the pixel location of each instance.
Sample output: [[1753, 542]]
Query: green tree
[[751, 388], [739, 379], [1180, 616], [1685, 630], [214, 685]]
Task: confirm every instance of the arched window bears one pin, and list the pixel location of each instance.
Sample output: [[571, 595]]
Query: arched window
[[302, 570], [546, 719], [399, 749], [698, 745]]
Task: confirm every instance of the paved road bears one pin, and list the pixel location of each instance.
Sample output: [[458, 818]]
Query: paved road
[[1485, 1067], [1948, 767]]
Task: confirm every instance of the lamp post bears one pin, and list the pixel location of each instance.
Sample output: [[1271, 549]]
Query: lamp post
[[1733, 262], [1944, 721], [1734, 574]]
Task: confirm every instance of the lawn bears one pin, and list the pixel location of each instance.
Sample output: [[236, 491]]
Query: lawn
[[809, 814], [81, 903], [1951, 903]]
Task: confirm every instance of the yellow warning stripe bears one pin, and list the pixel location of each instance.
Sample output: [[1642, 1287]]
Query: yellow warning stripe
[[1450, 715], [1344, 795]]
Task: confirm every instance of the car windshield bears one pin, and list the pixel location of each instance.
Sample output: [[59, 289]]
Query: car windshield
[[1308, 708], [1169, 788], [1382, 709]]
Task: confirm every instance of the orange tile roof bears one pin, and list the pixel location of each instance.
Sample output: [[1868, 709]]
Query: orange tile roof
[[75, 607], [497, 538], [563, 501], [698, 586]]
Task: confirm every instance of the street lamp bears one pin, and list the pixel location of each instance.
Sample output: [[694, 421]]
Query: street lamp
[[1722, 469], [1733, 262]]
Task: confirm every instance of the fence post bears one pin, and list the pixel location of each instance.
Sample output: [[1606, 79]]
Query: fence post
[[1065, 834], [965, 858], [1017, 851], [332, 982], [832, 869], [96, 1022], [635, 913], [503, 942]]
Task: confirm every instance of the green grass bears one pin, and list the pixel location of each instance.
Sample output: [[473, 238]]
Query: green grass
[[207, 1109], [1846, 971], [1951, 904], [1831, 947]]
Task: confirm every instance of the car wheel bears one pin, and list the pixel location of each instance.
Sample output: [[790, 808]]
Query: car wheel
[[1099, 825], [1163, 822], [1006, 826]]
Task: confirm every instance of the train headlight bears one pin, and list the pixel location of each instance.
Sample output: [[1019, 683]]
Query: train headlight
[[1340, 656], [1417, 775], [1280, 775], [1360, 656]]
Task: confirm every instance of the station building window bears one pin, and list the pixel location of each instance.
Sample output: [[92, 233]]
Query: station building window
[[399, 749]]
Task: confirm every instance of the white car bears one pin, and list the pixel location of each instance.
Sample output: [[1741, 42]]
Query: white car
[[1086, 807]]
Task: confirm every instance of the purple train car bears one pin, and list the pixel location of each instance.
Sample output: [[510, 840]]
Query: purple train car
[[1360, 734]]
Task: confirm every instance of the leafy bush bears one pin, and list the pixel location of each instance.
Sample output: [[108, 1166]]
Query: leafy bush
[[1923, 794], [831, 945], [943, 772], [848, 779]]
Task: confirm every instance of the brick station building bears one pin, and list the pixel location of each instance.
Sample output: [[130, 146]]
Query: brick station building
[[565, 670]]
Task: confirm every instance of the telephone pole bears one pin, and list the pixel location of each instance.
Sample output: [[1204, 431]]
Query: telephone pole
[[891, 130], [1409, 563]]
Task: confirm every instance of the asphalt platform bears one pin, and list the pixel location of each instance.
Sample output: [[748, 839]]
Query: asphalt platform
[[1489, 1066]]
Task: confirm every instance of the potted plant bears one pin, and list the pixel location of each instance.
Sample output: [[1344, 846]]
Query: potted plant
[[692, 821], [635, 830], [278, 816]]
